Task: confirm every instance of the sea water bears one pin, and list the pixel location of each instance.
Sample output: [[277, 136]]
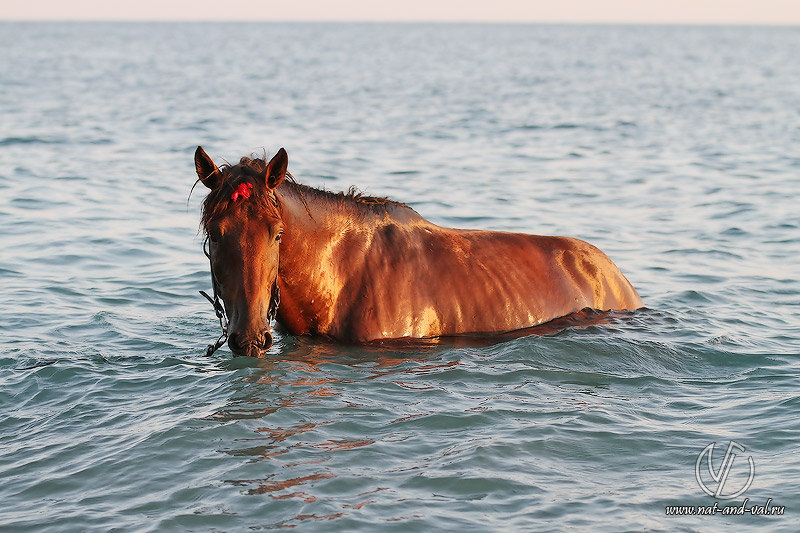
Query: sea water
[[676, 150]]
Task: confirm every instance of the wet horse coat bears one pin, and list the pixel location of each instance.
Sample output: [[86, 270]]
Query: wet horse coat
[[359, 269]]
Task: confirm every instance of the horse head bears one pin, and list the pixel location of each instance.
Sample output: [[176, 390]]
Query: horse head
[[243, 226]]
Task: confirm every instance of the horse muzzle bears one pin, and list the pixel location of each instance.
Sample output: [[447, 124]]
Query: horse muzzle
[[250, 346]]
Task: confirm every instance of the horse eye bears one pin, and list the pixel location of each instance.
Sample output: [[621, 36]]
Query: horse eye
[[214, 235], [278, 238]]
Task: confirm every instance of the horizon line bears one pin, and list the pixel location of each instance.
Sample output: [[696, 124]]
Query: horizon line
[[408, 21]]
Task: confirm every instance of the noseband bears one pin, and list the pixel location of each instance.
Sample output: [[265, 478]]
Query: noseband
[[219, 308]]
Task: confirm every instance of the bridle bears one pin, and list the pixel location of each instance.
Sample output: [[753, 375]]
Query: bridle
[[219, 308]]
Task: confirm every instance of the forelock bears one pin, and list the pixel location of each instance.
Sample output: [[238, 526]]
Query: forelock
[[218, 202]]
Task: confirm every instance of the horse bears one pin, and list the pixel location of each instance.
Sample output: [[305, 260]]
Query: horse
[[357, 268]]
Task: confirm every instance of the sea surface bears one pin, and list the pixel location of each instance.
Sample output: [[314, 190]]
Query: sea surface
[[676, 150]]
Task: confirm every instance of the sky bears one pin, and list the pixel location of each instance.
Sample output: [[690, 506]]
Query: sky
[[577, 11]]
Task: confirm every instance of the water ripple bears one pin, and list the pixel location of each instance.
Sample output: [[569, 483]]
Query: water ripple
[[113, 418]]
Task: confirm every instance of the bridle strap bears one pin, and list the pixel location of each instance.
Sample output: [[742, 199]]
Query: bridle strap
[[219, 309], [274, 301]]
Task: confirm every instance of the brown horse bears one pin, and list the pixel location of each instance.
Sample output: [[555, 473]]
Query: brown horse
[[357, 268]]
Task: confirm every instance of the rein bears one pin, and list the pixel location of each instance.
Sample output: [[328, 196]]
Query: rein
[[219, 309]]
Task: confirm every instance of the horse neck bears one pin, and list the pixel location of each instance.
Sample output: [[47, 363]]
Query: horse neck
[[312, 226], [306, 217], [318, 218], [318, 255]]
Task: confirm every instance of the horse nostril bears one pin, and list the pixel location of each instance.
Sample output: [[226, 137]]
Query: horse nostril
[[233, 343], [252, 346]]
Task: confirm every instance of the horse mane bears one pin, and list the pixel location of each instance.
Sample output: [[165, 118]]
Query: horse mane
[[252, 170], [353, 198]]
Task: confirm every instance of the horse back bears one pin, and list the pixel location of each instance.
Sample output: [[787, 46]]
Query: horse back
[[422, 280]]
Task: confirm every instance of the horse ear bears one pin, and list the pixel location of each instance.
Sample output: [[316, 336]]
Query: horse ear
[[276, 169], [207, 171]]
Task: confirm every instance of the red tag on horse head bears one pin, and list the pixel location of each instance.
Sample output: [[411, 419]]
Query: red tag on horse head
[[243, 190]]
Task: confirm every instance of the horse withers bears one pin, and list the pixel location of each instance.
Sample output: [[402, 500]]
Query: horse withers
[[356, 268]]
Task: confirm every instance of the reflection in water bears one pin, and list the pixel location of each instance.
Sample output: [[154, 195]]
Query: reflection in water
[[311, 373], [344, 444], [280, 434], [318, 517], [275, 486], [322, 378], [299, 495]]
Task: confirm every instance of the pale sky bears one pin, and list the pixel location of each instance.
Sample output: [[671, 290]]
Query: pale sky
[[624, 11]]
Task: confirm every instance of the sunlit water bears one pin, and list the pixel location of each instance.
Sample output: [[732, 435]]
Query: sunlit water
[[675, 150]]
